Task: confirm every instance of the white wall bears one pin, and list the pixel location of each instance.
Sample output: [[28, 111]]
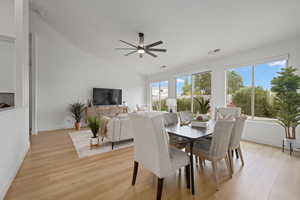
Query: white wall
[[7, 66], [7, 25], [14, 144], [14, 135], [262, 132], [66, 74]]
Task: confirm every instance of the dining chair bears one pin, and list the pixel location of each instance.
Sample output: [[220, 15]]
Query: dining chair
[[185, 117], [227, 112], [216, 149], [152, 150], [235, 140]]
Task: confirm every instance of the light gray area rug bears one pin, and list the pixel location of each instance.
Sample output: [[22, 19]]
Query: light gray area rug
[[81, 143]]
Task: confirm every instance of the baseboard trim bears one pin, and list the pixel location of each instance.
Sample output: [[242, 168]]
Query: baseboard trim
[[14, 171]]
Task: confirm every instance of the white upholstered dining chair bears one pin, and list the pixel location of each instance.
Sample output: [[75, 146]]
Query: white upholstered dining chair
[[235, 140], [216, 149], [227, 112], [152, 150], [185, 117]]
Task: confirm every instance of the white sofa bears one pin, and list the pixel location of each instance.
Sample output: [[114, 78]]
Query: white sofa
[[118, 129]]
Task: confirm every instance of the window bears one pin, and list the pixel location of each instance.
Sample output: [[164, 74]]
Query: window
[[190, 87], [249, 88], [159, 95], [183, 93]]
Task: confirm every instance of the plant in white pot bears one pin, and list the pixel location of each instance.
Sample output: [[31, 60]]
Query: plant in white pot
[[94, 124], [77, 110], [203, 108], [288, 102]]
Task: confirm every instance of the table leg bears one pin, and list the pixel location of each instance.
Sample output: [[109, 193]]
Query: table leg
[[192, 167]]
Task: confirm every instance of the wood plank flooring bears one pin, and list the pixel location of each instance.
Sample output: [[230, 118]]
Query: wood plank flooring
[[52, 171]]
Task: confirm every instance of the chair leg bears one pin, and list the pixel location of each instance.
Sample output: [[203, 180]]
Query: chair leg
[[237, 154], [241, 155], [160, 182], [228, 165], [214, 165], [187, 176], [135, 171], [201, 162], [231, 161]]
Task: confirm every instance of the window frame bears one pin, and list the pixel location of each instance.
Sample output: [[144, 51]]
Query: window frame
[[159, 93], [253, 66], [192, 75]]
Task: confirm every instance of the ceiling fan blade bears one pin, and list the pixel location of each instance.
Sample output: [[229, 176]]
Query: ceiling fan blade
[[132, 45], [151, 54], [154, 44], [159, 50], [141, 55], [130, 53], [125, 48]]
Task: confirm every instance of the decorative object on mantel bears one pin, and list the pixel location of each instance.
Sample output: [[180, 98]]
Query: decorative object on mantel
[[94, 125], [77, 109], [90, 103], [171, 103], [286, 87], [81, 144]]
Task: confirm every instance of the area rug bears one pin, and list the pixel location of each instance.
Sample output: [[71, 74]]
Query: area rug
[[81, 143]]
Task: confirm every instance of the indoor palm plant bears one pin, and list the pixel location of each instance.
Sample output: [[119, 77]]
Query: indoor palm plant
[[94, 124], [77, 110], [204, 106], [287, 100]]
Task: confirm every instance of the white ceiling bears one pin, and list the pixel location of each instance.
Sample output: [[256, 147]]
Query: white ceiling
[[189, 28]]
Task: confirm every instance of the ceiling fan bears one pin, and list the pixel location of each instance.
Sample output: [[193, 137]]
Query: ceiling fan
[[141, 48]]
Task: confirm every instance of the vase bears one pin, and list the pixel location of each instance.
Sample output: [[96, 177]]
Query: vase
[[94, 141], [77, 126]]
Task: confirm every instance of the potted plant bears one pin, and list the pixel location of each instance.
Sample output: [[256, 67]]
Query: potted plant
[[202, 117], [288, 102], [94, 125], [77, 109]]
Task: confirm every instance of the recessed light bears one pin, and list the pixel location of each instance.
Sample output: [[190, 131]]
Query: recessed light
[[214, 51], [163, 67]]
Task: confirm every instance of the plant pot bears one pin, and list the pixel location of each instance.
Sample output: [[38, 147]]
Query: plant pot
[[94, 141], [77, 126]]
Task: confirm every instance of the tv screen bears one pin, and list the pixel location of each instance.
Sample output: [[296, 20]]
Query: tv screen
[[102, 96]]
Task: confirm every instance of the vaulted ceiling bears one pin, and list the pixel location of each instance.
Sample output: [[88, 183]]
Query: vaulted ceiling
[[188, 28]]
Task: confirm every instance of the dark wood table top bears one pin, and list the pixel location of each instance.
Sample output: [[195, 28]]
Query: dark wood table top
[[189, 132]]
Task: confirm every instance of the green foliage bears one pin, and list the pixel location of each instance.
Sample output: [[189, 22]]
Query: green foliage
[[160, 105], [263, 102], [94, 125], [203, 105], [202, 85], [184, 104], [288, 100], [234, 82], [77, 109]]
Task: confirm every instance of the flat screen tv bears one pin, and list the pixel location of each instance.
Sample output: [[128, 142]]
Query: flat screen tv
[[103, 96]]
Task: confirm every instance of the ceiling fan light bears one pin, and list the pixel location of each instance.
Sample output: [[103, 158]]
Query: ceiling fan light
[[141, 51]]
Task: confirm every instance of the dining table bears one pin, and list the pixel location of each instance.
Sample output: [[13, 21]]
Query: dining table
[[191, 134]]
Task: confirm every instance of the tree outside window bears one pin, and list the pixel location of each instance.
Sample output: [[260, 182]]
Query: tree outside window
[[190, 87], [249, 88]]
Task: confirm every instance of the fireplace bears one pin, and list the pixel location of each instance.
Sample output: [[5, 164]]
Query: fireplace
[[7, 100]]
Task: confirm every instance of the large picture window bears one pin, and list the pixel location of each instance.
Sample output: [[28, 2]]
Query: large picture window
[[159, 95], [249, 88], [190, 87]]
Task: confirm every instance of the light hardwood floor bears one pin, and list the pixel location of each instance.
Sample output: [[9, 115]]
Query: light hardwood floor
[[52, 170]]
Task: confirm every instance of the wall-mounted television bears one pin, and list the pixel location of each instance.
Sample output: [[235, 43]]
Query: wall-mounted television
[[103, 96]]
